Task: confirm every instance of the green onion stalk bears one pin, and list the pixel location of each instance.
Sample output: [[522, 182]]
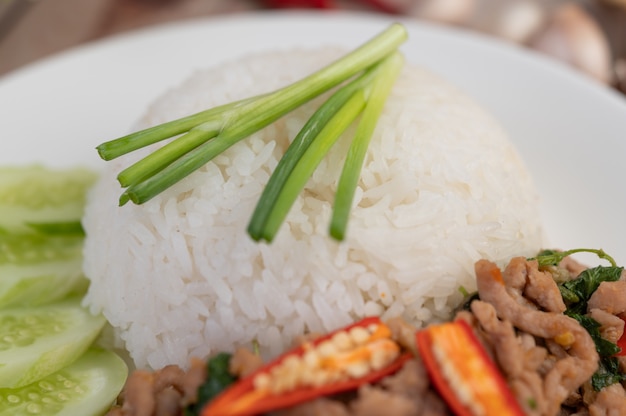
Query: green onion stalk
[[366, 74]]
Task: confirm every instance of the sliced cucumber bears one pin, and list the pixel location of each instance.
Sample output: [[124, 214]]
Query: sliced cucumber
[[40, 284], [37, 268], [41, 237], [35, 194], [87, 387], [38, 341]]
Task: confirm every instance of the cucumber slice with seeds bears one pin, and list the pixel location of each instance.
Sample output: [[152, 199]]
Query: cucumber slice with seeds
[[37, 269], [35, 194], [40, 233], [87, 387], [36, 342]]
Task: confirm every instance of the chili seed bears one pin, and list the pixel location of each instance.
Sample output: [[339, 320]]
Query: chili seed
[[292, 362], [359, 335], [327, 349], [358, 369], [262, 381], [311, 359], [342, 341], [384, 354]]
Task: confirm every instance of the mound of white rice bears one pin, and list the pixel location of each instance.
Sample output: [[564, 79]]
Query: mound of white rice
[[179, 276]]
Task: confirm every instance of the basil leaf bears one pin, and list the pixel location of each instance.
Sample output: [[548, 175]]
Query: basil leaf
[[577, 292], [465, 305], [218, 379], [608, 373], [604, 347], [549, 257]]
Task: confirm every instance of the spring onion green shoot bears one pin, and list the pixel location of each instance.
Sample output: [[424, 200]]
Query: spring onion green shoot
[[366, 76]]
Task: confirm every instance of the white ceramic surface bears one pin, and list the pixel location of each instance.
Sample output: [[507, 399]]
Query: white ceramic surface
[[570, 130]]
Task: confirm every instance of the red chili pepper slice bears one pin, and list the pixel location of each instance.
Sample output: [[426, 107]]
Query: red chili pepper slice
[[317, 4], [380, 5], [245, 399], [463, 373], [383, 6]]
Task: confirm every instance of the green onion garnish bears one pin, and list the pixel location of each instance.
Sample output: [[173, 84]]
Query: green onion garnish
[[367, 73], [380, 89]]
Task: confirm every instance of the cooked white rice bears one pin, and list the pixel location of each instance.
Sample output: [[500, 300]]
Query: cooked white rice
[[179, 276]]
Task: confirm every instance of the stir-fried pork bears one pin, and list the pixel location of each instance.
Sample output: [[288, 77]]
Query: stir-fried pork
[[609, 297], [407, 393], [611, 326], [610, 401], [161, 393], [578, 359], [546, 357]]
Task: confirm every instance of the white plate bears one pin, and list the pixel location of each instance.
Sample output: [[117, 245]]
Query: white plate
[[570, 130]]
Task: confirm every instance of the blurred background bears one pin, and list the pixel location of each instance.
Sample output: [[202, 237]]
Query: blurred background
[[590, 35]]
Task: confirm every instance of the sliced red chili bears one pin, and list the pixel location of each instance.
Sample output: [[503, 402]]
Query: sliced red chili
[[384, 6], [463, 373], [245, 398], [316, 4]]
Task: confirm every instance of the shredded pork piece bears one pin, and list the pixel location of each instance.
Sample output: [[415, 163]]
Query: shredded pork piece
[[501, 335], [581, 359], [403, 334], [317, 407], [193, 378], [610, 401], [161, 393], [541, 289], [523, 379], [609, 297], [168, 402], [611, 326], [546, 357], [139, 394], [406, 393], [410, 381], [244, 362], [170, 375], [374, 401]]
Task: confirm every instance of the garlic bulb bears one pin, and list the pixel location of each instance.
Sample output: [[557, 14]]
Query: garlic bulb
[[443, 11], [573, 36], [513, 20]]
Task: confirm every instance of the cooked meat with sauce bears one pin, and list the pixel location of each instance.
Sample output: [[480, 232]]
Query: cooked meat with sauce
[[161, 393], [551, 340]]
